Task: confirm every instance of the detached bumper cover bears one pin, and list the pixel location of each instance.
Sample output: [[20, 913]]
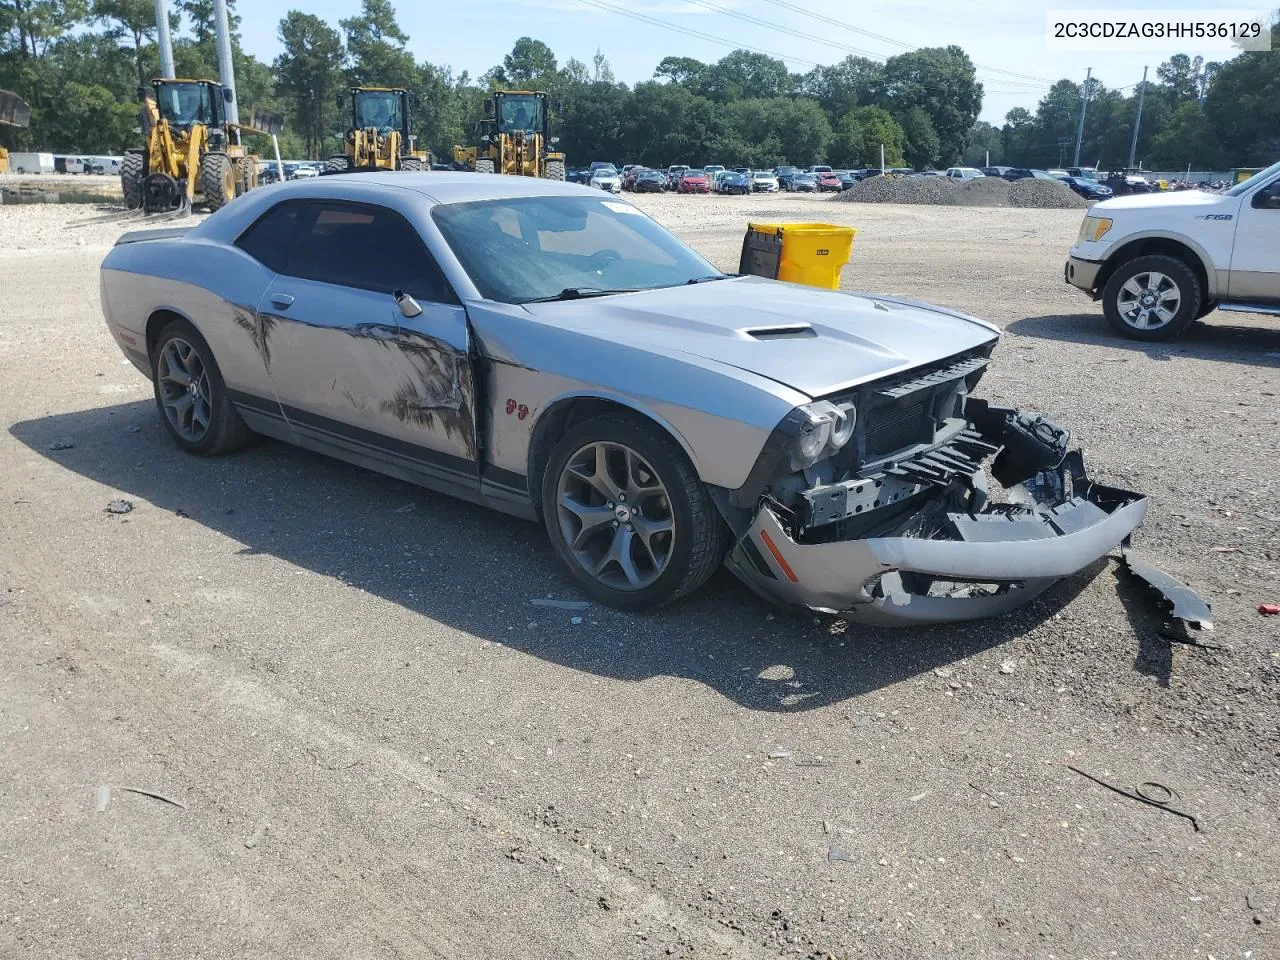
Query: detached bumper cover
[[989, 563]]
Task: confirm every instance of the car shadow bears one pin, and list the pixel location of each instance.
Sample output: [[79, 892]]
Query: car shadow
[[480, 571], [1213, 340]]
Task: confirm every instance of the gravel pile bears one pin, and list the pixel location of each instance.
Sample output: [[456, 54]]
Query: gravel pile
[[1045, 195], [984, 192], [929, 190]]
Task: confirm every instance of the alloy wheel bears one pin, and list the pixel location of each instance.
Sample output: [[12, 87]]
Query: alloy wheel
[[1148, 301], [615, 516], [185, 393]]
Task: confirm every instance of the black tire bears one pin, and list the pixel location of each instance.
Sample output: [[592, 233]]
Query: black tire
[[484, 165], [554, 170], [699, 540], [226, 430], [339, 163], [1182, 281], [132, 172], [217, 180], [411, 164]]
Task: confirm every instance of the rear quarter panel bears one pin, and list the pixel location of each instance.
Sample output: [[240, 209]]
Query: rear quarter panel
[[215, 287]]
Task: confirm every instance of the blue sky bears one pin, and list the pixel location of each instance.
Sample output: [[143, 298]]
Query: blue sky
[[999, 35]]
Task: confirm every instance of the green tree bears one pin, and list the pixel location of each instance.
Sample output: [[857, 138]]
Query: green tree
[[848, 145], [841, 87], [1188, 140], [1243, 106], [984, 140], [309, 73], [942, 82], [95, 121], [920, 145], [682, 70], [530, 64], [376, 48], [744, 75], [878, 127], [134, 20]]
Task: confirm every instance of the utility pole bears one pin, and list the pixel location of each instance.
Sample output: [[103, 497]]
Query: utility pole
[[1142, 95], [1084, 103], [162, 39], [226, 71]]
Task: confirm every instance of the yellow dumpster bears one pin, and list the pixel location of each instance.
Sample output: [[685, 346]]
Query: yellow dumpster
[[812, 253]]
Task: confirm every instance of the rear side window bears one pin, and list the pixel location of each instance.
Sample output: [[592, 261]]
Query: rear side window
[[271, 237], [369, 247]]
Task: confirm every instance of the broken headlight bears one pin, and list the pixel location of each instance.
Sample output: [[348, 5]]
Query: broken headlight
[[826, 428]]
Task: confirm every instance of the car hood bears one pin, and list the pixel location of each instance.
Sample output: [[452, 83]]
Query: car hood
[[815, 341], [1147, 201]]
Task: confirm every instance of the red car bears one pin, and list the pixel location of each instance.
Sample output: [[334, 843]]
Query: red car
[[828, 182], [695, 181]]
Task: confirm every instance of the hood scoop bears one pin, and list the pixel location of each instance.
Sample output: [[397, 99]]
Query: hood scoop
[[796, 331]]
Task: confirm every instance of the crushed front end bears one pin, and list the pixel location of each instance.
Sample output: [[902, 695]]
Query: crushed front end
[[879, 503]]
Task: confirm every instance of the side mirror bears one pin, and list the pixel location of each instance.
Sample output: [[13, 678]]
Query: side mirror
[[409, 307], [227, 94], [340, 101]]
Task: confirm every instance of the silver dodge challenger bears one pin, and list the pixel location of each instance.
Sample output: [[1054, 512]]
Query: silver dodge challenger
[[558, 355]]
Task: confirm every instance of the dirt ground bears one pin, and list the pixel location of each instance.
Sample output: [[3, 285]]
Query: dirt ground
[[377, 745]]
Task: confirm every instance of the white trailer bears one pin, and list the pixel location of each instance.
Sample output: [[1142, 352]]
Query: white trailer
[[31, 163]]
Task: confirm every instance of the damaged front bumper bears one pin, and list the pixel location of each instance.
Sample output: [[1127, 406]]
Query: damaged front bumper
[[957, 557]]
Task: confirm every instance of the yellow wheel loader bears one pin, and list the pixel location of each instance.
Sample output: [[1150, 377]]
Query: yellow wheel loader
[[14, 112], [192, 155], [378, 138], [515, 138]]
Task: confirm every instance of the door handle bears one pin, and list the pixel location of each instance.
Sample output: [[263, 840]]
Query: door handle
[[282, 300]]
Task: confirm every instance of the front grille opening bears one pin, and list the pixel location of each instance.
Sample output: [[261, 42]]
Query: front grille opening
[[891, 427]]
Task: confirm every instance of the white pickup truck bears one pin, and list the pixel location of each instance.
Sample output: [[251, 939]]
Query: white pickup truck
[[1160, 261]]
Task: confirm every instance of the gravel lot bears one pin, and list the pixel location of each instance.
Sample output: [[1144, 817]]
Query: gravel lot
[[384, 748]]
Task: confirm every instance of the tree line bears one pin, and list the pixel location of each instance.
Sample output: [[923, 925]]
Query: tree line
[[80, 62]]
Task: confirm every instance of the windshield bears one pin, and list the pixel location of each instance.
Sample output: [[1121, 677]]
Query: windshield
[[763, 175], [380, 109], [520, 112], [183, 104], [1253, 181], [606, 171], [528, 248]]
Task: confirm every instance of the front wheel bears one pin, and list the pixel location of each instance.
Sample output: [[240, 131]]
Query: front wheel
[[411, 164], [217, 180], [555, 170], [484, 166], [628, 515], [1152, 298], [193, 400]]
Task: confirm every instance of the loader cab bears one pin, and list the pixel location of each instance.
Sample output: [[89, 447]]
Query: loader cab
[[185, 103], [519, 111], [385, 109]]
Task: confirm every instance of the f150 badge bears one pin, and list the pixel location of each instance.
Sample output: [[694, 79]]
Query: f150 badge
[[1216, 216]]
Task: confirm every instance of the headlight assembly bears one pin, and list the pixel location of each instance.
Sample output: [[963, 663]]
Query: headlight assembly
[[825, 428], [1093, 228]]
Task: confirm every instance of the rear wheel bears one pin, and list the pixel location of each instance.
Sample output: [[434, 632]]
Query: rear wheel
[[1152, 298], [339, 163], [628, 515], [411, 164], [132, 170], [217, 180], [193, 400], [555, 170], [484, 166]]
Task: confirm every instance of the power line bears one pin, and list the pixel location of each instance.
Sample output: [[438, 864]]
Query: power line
[[696, 33], [890, 40]]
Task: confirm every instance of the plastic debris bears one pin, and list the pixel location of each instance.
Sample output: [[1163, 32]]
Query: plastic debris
[[1185, 603], [575, 620], [120, 506], [780, 755], [1269, 609], [1008, 666], [104, 796], [560, 604], [836, 855]]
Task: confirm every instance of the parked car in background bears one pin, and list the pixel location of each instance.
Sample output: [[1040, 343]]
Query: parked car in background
[[818, 170], [732, 182], [605, 177], [901, 171], [801, 182], [745, 171], [848, 179], [712, 168], [784, 174], [965, 173], [650, 181], [1088, 173], [764, 181], [999, 171], [32, 163], [694, 181], [1161, 261], [674, 173], [1089, 189], [828, 182], [629, 175]]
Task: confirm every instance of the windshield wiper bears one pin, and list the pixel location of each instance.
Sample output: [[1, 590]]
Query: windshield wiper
[[717, 276], [578, 293]]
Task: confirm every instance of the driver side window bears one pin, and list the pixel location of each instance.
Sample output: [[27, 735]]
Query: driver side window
[[1268, 198]]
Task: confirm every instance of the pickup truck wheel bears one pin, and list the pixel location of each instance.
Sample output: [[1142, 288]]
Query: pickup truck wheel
[[1152, 298], [628, 515], [193, 400]]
